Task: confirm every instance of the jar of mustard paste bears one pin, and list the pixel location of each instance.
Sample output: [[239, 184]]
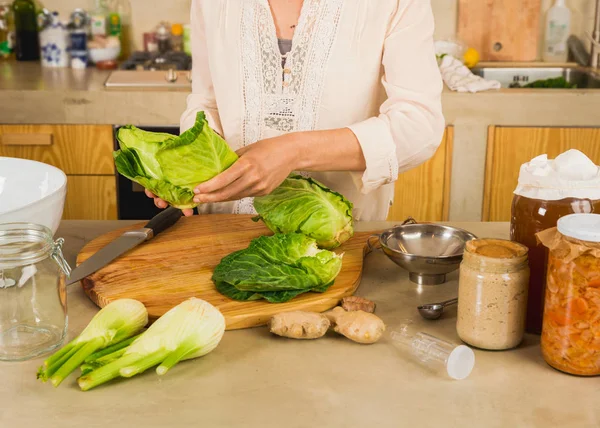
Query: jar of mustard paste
[[492, 294]]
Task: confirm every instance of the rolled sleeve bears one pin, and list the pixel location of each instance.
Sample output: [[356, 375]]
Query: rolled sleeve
[[202, 97], [410, 126]]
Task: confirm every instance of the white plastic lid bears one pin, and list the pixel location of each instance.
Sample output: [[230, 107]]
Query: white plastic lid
[[460, 362], [571, 175], [585, 227]]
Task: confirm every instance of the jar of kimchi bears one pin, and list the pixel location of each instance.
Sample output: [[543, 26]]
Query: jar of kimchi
[[549, 189], [571, 323]]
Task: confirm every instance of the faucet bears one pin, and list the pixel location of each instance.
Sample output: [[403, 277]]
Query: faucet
[[595, 56]]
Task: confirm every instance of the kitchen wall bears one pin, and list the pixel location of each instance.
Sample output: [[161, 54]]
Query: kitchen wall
[[147, 13]]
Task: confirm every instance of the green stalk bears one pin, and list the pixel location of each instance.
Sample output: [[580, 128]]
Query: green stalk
[[96, 364], [87, 368], [111, 349], [173, 359], [145, 363], [47, 372], [75, 361], [58, 354], [106, 373]]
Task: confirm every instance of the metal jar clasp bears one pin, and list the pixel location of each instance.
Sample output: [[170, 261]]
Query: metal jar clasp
[[58, 257]]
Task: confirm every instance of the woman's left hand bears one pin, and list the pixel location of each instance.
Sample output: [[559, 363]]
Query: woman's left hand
[[262, 167]]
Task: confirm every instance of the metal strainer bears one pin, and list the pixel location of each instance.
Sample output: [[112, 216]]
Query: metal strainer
[[427, 251]]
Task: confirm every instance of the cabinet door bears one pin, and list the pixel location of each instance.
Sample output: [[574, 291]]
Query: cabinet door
[[91, 197], [424, 192], [510, 147], [76, 149]]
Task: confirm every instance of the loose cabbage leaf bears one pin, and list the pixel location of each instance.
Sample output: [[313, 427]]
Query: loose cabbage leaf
[[277, 268], [303, 205], [171, 166]]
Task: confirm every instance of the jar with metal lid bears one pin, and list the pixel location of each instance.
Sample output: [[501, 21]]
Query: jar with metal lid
[[492, 294], [33, 299], [571, 325]]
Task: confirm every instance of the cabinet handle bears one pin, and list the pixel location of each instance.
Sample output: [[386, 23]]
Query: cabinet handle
[[27, 139]]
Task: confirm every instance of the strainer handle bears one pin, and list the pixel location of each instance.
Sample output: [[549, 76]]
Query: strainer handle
[[409, 220], [372, 246]]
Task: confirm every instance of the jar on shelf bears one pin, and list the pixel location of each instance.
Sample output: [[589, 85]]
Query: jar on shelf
[[33, 298], [549, 189], [571, 324], [492, 294]]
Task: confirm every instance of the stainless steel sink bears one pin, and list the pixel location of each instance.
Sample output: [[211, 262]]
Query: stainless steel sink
[[514, 76]]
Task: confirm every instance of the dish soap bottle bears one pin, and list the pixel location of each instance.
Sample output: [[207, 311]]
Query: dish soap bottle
[[558, 29]]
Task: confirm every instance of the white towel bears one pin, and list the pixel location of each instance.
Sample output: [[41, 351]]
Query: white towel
[[459, 78]]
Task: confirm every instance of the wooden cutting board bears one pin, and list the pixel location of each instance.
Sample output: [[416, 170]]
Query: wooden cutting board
[[501, 30], [178, 264]]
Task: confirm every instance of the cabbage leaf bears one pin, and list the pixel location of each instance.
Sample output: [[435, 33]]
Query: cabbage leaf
[[303, 205], [171, 166], [277, 268]]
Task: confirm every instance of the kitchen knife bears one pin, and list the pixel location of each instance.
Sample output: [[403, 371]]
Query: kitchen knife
[[124, 243]]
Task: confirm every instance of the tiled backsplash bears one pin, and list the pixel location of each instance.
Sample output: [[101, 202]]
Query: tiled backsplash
[[147, 13]]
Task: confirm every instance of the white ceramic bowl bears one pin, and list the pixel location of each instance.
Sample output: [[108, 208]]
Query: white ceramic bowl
[[104, 54], [31, 192]]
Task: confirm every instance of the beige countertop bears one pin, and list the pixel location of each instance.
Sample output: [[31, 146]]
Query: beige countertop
[[31, 94], [254, 379]]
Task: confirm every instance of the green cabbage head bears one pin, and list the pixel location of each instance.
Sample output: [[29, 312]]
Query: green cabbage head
[[304, 205], [171, 166], [277, 268]]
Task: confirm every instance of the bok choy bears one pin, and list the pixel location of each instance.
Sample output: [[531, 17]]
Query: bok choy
[[116, 322], [189, 330]]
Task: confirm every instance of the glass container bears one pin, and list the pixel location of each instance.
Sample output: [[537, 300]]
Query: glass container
[[571, 324], [492, 294], [33, 298], [547, 190], [531, 216], [456, 361]]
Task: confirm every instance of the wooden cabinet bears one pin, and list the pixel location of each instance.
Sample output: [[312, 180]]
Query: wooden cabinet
[[424, 192], [510, 147], [83, 152]]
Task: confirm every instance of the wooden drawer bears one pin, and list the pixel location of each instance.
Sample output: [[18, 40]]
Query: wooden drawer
[[424, 192], [76, 149], [91, 197]]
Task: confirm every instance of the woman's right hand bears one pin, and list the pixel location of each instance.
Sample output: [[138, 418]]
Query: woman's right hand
[[162, 204]]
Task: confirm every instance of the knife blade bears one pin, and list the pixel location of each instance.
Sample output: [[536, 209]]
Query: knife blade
[[124, 243]]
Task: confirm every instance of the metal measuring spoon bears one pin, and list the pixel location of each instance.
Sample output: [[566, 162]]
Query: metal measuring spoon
[[433, 311]]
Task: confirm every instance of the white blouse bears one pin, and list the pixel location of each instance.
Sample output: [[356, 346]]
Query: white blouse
[[368, 65]]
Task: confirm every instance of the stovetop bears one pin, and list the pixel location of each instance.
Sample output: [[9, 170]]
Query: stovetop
[[153, 70], [155, 61]]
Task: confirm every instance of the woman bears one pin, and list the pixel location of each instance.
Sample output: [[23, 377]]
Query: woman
[[346, 91]]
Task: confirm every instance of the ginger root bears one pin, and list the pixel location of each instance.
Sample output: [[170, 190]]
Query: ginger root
[[356, 303], [359, 326], [300, 325]]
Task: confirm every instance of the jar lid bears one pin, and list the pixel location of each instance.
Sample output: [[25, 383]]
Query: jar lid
[[585, 227]]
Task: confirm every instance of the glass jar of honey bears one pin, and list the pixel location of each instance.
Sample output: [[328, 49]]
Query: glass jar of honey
[[547, 191], [571, 324]]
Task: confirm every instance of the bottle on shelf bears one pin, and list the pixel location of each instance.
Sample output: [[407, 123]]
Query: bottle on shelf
[[99, 18], [557, 32], [120, 25], [27, 43], [7, 33], [177, 37], [163, 37]]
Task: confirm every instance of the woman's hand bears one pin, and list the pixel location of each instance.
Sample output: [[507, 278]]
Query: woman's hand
[[261, 167], [163, 204]]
